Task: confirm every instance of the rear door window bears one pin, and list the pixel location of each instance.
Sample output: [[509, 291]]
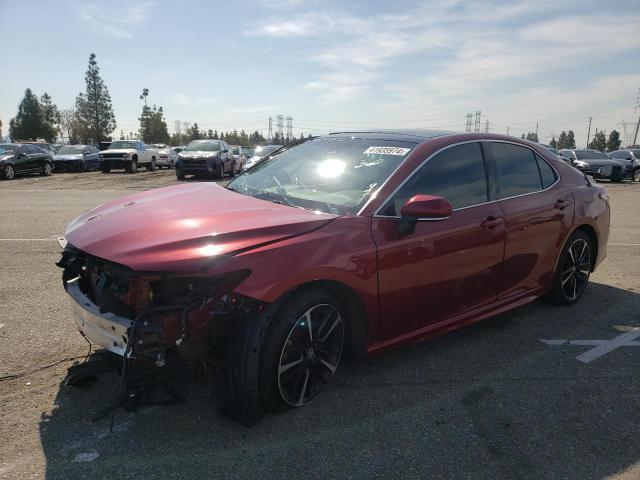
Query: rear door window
[[546, 172], [516, 168]]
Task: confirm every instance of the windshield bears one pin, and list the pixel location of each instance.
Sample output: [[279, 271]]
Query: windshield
[[7, 149], [200, 146], [332, 175], [69, 150], [264, 151], [235, 150], [115, 145], [248, 151], [590, 155], [636, 153]]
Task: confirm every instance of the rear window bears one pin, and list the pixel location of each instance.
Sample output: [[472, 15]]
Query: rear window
[[590, 155], [546, 172], [69, 150]]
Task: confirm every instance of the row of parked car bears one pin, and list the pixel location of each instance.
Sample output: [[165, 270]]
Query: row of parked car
[[214, 158], [615, 166]]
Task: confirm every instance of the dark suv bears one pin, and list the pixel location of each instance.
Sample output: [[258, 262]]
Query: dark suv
[[631, 160], [205, 157], [19, 158], [595, 163]]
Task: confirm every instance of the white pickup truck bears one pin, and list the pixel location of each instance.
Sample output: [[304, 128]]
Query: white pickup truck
[[128, 154]]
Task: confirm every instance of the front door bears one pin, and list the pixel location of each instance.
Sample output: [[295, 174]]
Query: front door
[[444, 267]]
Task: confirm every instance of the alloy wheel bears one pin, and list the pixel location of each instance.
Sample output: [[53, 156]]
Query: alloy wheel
[[576, 269], [9, 173], [636, 175], [310, 354], [46, 169]]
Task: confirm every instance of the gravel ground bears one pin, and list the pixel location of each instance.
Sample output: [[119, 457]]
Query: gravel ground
[[487, 401]]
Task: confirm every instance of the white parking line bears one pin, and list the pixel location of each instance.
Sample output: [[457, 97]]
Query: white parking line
[[623, 244], [27, 239], [601, 347]]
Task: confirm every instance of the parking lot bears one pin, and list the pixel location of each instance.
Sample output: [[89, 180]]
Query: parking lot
[[528, 394]]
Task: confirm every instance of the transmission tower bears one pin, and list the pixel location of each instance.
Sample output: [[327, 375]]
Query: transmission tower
[[476, 126], [486, 126], [178, 127], [270, 129], [289, 120], [279, 125], [469, 121]]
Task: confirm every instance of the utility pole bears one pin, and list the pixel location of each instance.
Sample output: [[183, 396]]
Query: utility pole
[[486, 127], [270, 129], [536, 129], [589, 133], [635, 137], [507, 129]]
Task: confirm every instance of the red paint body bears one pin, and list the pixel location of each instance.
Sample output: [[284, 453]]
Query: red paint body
[[476, 263]]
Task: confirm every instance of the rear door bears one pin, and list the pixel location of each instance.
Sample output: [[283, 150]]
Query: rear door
[[538, 211], [445, 267], [22, 159]]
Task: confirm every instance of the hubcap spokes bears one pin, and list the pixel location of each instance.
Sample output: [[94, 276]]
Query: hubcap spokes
[[310, 355], [576, 269]]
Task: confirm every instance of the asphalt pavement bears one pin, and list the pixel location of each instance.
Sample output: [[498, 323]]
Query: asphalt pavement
[[510, 397]]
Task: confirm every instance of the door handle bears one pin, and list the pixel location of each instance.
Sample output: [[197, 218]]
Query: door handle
[[561, 204], [491, 222]]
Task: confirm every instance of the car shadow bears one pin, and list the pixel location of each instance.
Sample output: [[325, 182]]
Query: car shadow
[[487, 401]]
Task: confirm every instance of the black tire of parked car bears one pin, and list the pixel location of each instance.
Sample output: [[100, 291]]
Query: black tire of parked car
[[635, 176], [171, 164], [573, 269], [8, 173], [220, 171], [46, 169], [105, 168], [319, 357], [132, 166], [79, 167], [617, 179], [179, 174], [151, 166]]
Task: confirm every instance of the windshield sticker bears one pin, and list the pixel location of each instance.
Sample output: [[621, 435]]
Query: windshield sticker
[[401, 152]]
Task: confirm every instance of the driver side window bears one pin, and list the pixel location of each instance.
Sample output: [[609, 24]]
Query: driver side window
[[457, 174]]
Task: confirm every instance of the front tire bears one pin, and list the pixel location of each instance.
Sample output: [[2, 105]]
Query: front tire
[[105, 168], [132, 166], [46, 169], [179, 174], [573, 270], [301, 351], [9, 173], [635, 176]]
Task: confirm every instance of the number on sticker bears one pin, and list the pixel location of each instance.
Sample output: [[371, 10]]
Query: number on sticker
[[387, 151]]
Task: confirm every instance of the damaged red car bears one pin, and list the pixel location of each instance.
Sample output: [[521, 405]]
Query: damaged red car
[[348, 243]]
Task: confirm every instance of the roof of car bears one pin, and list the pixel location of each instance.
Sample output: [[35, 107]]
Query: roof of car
[[410, 135]]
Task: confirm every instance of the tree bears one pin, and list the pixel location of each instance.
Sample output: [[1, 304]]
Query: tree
[[599, 141], [93, 107], [614, 142], [553, 143], [30, 122], [571, 140], [50, 112], [194, 133], [562, 140], [532, 137]]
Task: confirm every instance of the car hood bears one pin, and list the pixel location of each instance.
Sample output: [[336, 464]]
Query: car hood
[[6, 156], [197, 154], [77, 156], [600, 162], [119, 150], [183, 227]]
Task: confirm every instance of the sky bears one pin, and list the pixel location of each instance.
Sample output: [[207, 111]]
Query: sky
[[335, 65]]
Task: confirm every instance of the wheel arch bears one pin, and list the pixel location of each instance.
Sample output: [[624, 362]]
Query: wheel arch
[[356, 323], [593, 236]]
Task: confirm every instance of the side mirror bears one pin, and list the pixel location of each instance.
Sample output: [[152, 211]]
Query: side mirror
[[22, 154], [224, 151], [422, 208]]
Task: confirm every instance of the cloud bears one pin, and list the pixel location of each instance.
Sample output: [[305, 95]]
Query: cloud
[[269, 108], [121, 26]]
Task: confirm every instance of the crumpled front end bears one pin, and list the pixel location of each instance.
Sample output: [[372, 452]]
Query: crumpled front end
[[149, 317]]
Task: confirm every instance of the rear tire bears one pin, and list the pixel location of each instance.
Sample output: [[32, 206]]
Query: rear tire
[[179, 174], [151, 166], [220, 171], [105, 168], [46, 169], [301, 350], [573, 270], [635, 176]]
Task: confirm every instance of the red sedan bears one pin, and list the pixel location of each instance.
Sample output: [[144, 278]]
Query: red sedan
[[351, 242]]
